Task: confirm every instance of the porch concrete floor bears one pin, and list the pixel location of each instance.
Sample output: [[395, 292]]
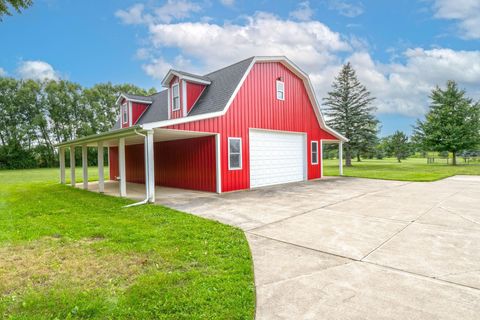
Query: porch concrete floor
[[349, 248]]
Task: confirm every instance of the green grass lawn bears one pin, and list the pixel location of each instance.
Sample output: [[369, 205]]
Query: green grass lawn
[[68, 253], [413, 169]]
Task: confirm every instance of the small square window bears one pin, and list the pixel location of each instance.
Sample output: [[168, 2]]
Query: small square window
[[234, 153], [314, 152], [280, 90], [176, 97]]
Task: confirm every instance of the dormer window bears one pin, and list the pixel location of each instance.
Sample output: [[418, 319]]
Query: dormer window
[[280, 90], [125, 113], [175, 97]]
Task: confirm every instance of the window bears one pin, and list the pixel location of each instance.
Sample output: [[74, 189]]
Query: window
[[176, 97], [280, 90], [314, 152], [234, 153], [125, 113]]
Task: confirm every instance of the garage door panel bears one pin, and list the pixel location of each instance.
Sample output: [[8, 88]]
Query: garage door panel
[[276, 157]]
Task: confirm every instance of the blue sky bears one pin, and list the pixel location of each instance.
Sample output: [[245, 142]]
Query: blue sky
[[400, 49]]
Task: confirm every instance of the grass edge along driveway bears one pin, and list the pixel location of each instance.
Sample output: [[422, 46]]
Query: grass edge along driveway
[[412, 169], [69, 253]]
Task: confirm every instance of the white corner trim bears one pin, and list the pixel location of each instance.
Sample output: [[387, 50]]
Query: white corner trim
[[218, 162], [184, 97]]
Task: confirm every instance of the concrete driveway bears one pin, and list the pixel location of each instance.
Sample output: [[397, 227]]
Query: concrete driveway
[[347, 248]]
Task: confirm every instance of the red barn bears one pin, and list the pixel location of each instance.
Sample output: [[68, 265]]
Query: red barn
[[254, 123]]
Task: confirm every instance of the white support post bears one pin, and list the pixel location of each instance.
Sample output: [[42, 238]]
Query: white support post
[[150, 168], [121, 167], [340, 158], [72, 166], [85, 166], [61, 154], [320, 157], [101, 179], [218, 163]]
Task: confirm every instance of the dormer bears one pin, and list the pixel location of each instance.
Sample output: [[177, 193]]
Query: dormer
[[184, 89], [131, 108]]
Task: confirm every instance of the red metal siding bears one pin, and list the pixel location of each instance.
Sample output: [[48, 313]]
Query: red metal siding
[[113, 162], [256, 106], [194, 91], [188, 163], [137, 110]]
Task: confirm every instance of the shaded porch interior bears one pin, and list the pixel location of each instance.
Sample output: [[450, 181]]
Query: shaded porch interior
[[145, 162]]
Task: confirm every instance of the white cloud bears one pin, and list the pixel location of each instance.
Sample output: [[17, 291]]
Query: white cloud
[[228, 3], [3, 73], [402, 88], [303, 12], [37, 70], [465, 12], [405, 87], [172, 10], [345, 8], [312, 43]]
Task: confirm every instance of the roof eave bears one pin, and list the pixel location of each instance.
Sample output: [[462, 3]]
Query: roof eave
[[117, 133], [171, 73]]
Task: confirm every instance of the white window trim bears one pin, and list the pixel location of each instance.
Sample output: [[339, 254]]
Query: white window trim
[[124, 111], [311, 151], [277, 89], [173, 97], [240, 153]]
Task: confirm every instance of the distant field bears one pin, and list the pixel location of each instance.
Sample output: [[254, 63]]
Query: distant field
[[413, 169]]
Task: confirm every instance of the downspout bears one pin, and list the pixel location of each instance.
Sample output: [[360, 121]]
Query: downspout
[[144, 201]]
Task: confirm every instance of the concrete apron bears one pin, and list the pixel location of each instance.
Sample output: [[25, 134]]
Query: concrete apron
[[348, 248]]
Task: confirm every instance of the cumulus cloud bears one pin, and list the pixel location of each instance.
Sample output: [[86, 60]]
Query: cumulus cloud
[[37, 70], [400, 87], [311, 43], [405, 87], [346, 8], [3, 73], [303, 12], [465, 12], [172, 10]]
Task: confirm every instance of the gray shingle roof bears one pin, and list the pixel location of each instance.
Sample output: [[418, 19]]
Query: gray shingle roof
[[158, 110], [213, 99]]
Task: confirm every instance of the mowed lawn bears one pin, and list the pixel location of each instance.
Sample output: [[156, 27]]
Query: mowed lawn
[[412, 169], [67, 253]]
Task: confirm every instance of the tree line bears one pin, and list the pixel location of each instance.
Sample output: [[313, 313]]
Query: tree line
[[451, 125], [36, 115]]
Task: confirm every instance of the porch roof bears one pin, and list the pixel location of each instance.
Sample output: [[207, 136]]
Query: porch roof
[[133, 135]]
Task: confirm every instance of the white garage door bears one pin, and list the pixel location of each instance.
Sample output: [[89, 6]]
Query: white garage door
[[276, 157]]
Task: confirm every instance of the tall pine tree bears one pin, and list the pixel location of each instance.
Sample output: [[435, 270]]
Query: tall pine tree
[[350, 112], [452, 124]]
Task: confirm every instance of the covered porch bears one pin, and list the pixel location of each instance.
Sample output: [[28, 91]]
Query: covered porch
[[137, 147]]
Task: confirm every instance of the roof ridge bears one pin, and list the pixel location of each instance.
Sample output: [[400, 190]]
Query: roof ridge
[[231, 65]]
